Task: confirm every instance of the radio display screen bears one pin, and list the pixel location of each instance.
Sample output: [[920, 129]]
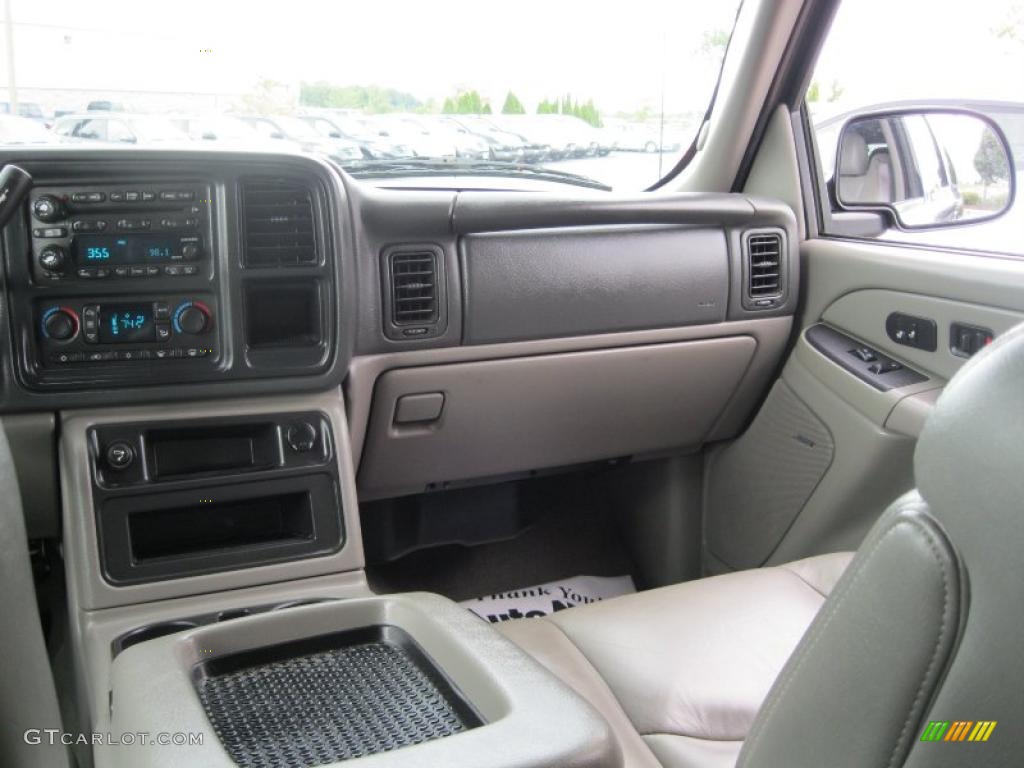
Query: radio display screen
[[100, 250], [126, 323]]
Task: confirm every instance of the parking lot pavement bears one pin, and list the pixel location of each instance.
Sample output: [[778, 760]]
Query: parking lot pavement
[[622, 171]]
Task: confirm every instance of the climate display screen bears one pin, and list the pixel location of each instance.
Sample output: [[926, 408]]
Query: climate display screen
[[99, 250], [126, 323]]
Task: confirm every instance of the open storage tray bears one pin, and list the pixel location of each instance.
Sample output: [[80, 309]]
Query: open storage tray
[[328, 698], [383, 682]]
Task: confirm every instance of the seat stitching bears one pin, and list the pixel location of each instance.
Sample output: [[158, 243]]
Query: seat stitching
[[758, 730], [938, 643]]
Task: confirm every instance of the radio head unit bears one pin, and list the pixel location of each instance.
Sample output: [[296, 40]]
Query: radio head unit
[[122, 231]]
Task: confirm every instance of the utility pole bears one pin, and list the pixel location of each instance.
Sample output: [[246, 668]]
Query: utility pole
[[12, 85]]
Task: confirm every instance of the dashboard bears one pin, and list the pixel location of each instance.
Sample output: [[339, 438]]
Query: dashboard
[[470, 331]]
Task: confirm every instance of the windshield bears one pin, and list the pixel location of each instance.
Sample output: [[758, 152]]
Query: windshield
[[614, 95]]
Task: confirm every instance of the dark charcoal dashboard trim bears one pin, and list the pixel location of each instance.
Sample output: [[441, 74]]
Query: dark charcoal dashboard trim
[[69, 165]]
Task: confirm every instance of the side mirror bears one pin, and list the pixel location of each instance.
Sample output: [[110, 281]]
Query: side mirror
[[927, 167], [334, 135]]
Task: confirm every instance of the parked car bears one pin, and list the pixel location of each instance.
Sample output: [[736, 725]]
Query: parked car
[[22, 130], [228, 131], [330, 129], [502, 145], [642, 137], [292, 129], [122, 128], [538, 130], [28, 109], [105, 105]]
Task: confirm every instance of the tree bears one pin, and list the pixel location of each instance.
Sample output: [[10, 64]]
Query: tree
[[512, 105], [990, 160], [814, 92], [368, 98], [547, 108]]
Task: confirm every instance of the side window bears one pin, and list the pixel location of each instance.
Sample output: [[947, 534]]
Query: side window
[[944, 177], [119, 131], [92, 129]]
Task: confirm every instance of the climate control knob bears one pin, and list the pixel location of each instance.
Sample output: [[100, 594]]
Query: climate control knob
[[48, 208], [52, 259], [192, 318], [60, 324]]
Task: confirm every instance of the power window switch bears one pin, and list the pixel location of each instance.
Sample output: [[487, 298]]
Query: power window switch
[[866, 354], [886, 366]]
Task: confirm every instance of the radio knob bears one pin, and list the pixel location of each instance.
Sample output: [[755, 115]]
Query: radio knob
[[60, 325], [52, 259], [192, 320], [48, 208], [190, 252]]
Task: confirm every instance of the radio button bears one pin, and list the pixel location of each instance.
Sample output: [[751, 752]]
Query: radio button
[[121, 271], [131, 197], [172, 271], [163, 354], [99, 357], [185, 195], [163, 331], [88, 225], [170, 196], [87, 274], [67, 357], [50, 232], [137, 271], [147, 196], [102, 272], [152, 271], [88, 197], [117, 197], [161, 311], [190, 269]]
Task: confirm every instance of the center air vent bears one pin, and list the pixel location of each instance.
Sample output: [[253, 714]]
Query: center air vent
[[764, 268], [277, 224], [415, 280]]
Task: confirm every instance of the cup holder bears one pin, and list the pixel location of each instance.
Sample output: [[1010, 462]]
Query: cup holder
[[235, 613], [152, 632]]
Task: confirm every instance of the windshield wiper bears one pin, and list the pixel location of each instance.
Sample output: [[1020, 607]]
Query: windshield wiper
[[419, 166]]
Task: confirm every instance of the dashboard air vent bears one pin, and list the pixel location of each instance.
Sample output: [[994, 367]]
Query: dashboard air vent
[[277, 223], [764, 265], [413, 288]]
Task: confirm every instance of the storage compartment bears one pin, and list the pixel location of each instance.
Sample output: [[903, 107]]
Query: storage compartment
[[162, 535], [334, 697], [282, 313], [549, 411], [202, 527], [215, 448], [405, 678]]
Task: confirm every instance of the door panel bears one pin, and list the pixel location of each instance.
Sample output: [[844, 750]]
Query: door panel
[[853, 287]]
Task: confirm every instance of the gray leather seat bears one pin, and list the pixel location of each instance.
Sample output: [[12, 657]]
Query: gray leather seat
[[924, 625], [680, 672]]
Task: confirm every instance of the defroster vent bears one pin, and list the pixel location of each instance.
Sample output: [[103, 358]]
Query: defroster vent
[[277, 223], [764, 265], [413, 288]]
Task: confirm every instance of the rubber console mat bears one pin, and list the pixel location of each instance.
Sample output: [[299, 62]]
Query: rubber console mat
[[329, 698]]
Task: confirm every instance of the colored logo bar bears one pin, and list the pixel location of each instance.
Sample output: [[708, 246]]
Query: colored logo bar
[[958, 730]]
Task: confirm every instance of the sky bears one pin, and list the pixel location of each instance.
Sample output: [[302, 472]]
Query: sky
[[616, 54], [620, 54]]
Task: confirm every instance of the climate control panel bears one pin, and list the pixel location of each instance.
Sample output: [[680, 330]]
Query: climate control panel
[[91, 330]]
